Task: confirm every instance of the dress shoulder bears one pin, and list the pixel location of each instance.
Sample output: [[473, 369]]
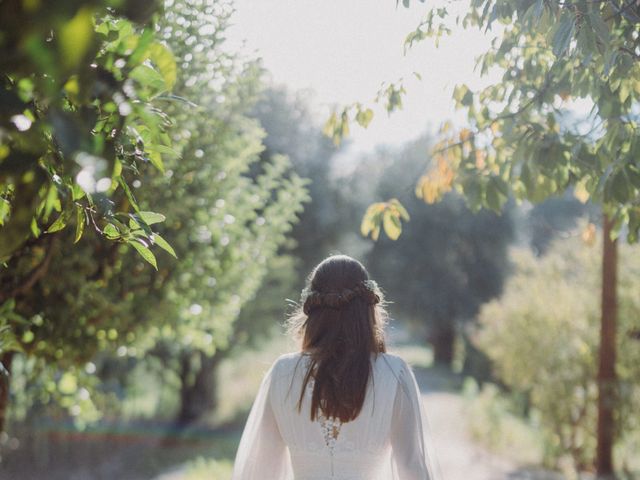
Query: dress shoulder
[[394, 364], [285, 364], [394, 360]]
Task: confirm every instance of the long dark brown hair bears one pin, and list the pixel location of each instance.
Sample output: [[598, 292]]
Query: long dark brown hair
[[341, 321]]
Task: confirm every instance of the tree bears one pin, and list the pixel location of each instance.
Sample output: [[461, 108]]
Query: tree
[[542, 336], [240, 202], [223, 225], [292, 130], [456, 259], [515, 143], [556, 217], [77, 85]]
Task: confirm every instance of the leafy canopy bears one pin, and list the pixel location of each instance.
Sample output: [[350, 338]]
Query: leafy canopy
[[81, 118], [524, 135]]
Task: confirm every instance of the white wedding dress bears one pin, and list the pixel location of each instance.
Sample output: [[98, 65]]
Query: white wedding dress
[[386, 441]]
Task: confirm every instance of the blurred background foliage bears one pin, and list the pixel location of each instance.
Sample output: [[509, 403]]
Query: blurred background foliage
[[542, 336], [161, 200]]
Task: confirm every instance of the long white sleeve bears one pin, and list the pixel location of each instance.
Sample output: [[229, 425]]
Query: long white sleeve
[[408, 441], [262, 450]]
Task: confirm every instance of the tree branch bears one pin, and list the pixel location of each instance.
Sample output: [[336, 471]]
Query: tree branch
[[33, 276]]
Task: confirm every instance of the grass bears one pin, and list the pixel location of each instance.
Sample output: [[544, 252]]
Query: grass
[[493, 424], [207, 469]]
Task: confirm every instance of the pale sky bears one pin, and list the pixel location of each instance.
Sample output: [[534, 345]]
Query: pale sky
[[342, 50]]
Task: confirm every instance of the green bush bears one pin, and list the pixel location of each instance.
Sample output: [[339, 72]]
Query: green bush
[[495, 423], [542, 336]]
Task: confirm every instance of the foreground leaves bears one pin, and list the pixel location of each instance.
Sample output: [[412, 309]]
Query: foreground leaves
[[79, 119]]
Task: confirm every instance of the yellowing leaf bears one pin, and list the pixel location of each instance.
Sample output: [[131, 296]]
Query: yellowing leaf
[[481, 156], [364, 117], [375, 233], [589, 234], [465, 134], [446, 126], [391, 224], [75, 37], [581, 193], [399, 208], [72, 86], [436, 182]]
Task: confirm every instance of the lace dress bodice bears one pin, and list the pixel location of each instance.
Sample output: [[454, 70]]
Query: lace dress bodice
[[330, 426], [384, 442]]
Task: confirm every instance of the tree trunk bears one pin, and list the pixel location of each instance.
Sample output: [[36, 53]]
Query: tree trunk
[[5, 371], [198, 390], [607, 359], [476, 363], [443, 339]]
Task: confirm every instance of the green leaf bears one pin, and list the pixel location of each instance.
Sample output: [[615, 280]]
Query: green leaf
[[564, 34], [129, 194], [156, 160], [61, 221], [77, 192], [151, 82], [537, 9], [364, 117], [68, 384], [151, 218], [460, 92], [633, 174], [35, 229], [144, 252], [163, 149], [501, 185], [494, 194], [80, 223], [162, 57], [142, 48], [599, 27], [620, 187], [163, 244], [111, 232]]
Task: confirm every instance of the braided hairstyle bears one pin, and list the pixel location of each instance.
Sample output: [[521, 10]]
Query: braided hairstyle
[[341, 321], [364, 290]]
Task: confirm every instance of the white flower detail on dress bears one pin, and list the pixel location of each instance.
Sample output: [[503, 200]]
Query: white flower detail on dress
[[330, 431], [330, 426]]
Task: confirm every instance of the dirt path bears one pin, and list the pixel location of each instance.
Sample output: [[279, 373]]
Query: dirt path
[[458, 456]]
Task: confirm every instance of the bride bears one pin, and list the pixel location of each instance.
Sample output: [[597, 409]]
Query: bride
[[341, 408]]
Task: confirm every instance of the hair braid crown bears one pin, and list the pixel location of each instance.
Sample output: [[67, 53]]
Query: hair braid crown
[[367, 290]]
